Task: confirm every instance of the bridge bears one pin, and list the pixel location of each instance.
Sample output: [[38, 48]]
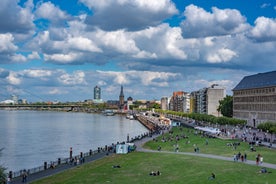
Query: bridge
[[68, 107]]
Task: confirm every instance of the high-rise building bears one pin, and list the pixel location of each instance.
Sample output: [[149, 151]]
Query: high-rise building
[[180, 101], [97, 93], [164, 103], [206, 100], [121, 98], [254, 98]]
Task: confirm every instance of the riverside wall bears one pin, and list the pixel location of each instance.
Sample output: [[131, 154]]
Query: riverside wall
[[149, 124]]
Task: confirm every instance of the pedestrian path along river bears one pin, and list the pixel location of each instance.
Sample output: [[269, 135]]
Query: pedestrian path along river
[[139, 147]]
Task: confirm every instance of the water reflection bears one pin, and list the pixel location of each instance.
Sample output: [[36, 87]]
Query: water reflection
[[31, 137]]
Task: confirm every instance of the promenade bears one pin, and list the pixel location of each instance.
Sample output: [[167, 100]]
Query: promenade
[[139, 147]]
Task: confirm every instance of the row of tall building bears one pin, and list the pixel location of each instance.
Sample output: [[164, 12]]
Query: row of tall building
[[254, 99], [203, 101]]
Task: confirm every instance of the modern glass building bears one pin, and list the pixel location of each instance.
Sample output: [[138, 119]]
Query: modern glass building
[[97, 93]]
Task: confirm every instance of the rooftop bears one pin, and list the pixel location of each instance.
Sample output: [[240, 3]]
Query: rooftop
[[259, 80]]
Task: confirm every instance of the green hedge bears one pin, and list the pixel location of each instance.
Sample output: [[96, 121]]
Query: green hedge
[[207, 118]]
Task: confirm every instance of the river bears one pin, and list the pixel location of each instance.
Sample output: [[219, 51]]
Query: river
[[30, 138]]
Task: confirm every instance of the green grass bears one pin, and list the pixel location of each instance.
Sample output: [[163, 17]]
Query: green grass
[[174, 168], [215, 146]]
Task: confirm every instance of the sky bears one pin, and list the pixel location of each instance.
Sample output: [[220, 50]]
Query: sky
[[59, 50]]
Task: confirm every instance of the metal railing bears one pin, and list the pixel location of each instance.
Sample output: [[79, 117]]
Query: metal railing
[[77, 159]]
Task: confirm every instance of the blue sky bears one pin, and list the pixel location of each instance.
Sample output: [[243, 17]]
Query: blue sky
[[60, 49]]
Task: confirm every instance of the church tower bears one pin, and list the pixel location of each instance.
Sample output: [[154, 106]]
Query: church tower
[[121, 99]]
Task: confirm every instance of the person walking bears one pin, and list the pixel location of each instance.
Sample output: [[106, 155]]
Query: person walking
[[24, 176], [261, 159]]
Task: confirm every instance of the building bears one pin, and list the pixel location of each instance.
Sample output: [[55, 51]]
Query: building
[[14, 98], [180, 101], [254, 98], [214, 94], [97, 93], [164, 103], [129, 102], [121, 99], [22, 101], [206, 100]]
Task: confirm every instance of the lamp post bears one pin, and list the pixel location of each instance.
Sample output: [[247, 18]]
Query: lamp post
[[267, 135]]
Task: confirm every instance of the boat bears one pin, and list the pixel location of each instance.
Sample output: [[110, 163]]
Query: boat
[[130, 116], [109, 112]]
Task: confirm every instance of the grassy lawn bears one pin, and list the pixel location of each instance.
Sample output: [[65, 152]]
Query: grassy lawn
[[174, 168], [215, 146]]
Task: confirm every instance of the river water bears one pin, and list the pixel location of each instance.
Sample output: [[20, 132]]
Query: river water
[[30, 138]]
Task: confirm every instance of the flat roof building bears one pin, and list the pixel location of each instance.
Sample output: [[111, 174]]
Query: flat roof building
[[206, 100]]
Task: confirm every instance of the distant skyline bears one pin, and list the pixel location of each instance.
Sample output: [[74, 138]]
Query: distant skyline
[[59, 50]]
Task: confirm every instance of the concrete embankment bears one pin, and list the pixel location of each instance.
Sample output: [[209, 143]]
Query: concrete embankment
[[147, 123]]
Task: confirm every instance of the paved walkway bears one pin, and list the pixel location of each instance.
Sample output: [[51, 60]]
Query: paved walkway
[[139, 144], [250, 162], [58, 169]]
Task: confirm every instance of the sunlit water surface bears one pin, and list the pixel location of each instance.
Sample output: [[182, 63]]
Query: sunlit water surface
[[30, 138]]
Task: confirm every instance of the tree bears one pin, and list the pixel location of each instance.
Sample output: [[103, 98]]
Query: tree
[[268, 127], [2, 172], [226, 106]]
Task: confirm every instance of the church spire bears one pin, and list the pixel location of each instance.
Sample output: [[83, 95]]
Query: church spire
[[121, 99]]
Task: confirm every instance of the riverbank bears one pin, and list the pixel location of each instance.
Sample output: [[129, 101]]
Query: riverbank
[[87, 158], [139, 143], [30, 138]]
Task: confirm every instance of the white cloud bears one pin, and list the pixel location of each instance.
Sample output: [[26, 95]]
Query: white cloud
[[18, 58], [37, 73], [173, 45], [56, 91], [13, 78], [83, 44], [161, 42], [49, 11], [265, 5], [6, 43], [62, 58], [137, 14], [221, 55], [147, 78], [264, 29], [34, 55], [200, 23], [118, 40], [117, 77], [16, 19], [77, 78]]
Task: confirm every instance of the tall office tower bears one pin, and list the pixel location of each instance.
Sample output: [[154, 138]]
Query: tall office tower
[[97, 93], [164, 103], [121, 99]]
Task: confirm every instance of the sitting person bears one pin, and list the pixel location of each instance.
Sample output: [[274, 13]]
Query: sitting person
[[252, 149], [212, 177], [116, 166], [152, 173], [263, 170]]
